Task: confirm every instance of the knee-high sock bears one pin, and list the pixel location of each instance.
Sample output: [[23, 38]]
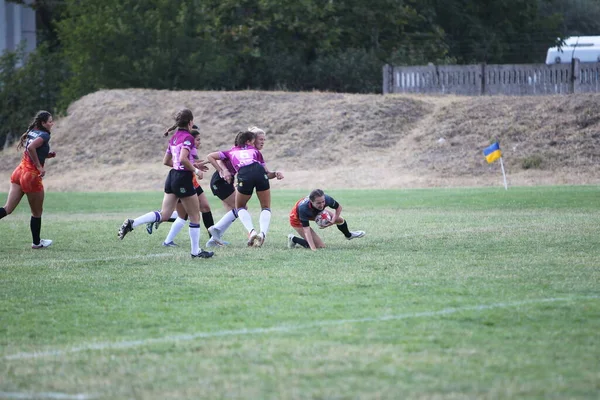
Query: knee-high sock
[[207, 220], [152, 216], [246, 219], [226, 220], [300, 241], [3, 212], [265, 220], [195, 238], [175, 229], [36, 226], [344, 229]]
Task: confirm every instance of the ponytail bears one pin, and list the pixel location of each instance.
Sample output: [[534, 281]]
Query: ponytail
[[168, 131]]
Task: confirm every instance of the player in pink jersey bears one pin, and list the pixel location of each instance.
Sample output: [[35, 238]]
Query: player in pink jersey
[[226, 190], [249, 165], [179, 184], [179, 216]]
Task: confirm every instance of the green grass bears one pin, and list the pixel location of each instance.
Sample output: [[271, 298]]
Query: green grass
[[453, 293]]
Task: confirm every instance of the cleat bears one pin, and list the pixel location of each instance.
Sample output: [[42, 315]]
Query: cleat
[[203, 254], [149, 226], [259, 240], [125, 228], [252, 237], [356, 234], [170, 244], [215, 233], [43, 244], [212, 242], [156, 224], [291, 243]]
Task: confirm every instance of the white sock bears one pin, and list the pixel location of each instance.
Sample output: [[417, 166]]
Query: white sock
[[265, 220], [246, 219], [195, 238], [152, 216], [175, 229], [225, 222]]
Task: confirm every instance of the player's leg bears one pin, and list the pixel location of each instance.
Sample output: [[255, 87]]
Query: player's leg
[[177, 225], [15, 194], [36, 203], [264, 198], [192, 208], [226, 193], [295, 240]]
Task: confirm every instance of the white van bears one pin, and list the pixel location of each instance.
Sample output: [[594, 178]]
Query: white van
[[585, 48]]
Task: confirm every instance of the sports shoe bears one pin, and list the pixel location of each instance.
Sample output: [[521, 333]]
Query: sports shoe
[[203, 254], [170, 244], [356, 234], [149, 226], [212, 242], [259, 240], [125, 228], [215, 233], [252, 237], [156, 224], [43, 243], [291, 243]]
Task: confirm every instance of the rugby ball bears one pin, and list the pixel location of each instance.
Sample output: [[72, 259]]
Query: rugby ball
[[323, 218]]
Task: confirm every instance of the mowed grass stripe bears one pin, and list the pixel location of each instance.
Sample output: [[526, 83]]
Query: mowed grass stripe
[[282, 328]]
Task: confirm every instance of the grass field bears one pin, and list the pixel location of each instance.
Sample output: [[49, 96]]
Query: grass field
[[452, 294]]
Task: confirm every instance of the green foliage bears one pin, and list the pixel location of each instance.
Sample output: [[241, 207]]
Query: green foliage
[[28, 83], [532, 162]]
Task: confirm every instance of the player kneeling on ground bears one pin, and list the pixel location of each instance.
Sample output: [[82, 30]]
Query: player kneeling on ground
[[312, 208]]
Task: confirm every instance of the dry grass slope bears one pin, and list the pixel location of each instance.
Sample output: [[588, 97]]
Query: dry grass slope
[[112, 140]]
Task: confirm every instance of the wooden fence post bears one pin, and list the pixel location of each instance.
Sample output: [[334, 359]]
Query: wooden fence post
[[482, 77], [388, 79], [574, 84]]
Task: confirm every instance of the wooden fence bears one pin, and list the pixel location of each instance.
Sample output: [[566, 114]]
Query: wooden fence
[[483, 79]]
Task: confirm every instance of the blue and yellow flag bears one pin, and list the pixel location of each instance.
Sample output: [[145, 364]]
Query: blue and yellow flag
[[492, 152]]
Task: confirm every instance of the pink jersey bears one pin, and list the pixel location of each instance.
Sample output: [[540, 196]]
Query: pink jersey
[[242, 156], [181, 140]]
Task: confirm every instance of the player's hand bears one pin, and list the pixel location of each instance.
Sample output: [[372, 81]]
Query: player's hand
[[52, 154], [201, 165], [278, 175], [227, 176]]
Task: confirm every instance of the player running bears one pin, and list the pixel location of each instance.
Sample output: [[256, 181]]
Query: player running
[[178, 185]]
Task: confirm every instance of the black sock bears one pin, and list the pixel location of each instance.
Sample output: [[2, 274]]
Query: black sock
[[300, 241], [208, 220], [3, 212], [172, 219], [344, 228], [36, 226]]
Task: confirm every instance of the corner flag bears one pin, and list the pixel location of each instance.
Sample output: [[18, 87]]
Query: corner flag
[[492, 152]]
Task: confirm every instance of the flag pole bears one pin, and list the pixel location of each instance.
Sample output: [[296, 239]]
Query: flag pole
[[503, 174]]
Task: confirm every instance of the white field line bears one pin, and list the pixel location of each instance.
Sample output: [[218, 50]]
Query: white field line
[[47, 395], [279, 329]]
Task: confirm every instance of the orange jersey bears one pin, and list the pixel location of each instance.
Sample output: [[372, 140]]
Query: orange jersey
[[294, 220], [27, 176]]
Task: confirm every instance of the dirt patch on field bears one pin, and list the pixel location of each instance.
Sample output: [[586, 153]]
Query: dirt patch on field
[[112, 140]]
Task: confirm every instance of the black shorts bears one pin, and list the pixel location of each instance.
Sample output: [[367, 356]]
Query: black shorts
[[199, 190], [180, 183], [250, 177], [220, 187]]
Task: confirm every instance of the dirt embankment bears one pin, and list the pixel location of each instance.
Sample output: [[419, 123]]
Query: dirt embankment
[[112, 140]]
